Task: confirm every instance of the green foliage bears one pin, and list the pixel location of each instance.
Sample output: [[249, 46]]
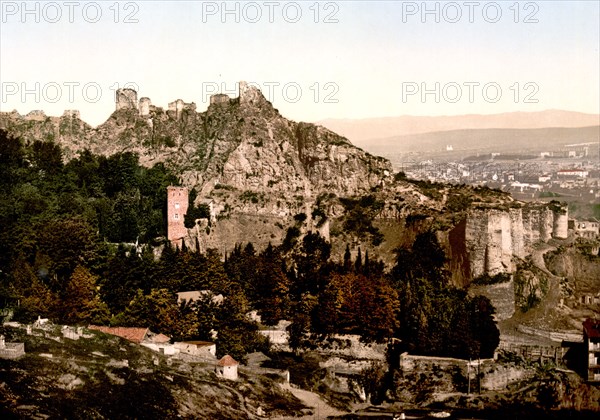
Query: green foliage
[[400, 176], [430, 189], [300, 217], [458, 202], [194, 212], [359, 216], [596, 210], [81, 304], [371, 380], [436, 319], [251, 196], [496, 279], [159, 311], [291, 236]]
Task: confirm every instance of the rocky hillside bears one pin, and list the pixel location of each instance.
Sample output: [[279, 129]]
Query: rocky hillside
[[102, 376], [242, 143], [261, 171]]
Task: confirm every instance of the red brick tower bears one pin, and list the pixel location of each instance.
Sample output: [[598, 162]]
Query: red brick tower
[[177, 205]]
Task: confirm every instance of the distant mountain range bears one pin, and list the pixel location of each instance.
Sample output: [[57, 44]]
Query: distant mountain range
[[376, 134], [502, 140]]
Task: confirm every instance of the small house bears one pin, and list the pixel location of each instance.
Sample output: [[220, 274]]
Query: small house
[[588, 228], [14, 350], [160, 343], [206, 349], [591, 339], [227, 368]]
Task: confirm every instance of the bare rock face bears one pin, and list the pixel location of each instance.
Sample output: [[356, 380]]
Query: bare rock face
[[241, 146], [246, 144], [494, 235]]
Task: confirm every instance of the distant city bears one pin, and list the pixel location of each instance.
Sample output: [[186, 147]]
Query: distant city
[[570, 174]]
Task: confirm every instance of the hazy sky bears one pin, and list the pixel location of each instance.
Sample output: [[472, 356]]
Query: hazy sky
[[313, 60]]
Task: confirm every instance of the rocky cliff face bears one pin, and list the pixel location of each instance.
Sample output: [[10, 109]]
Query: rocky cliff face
[[494, 235], [242, 145], [260, 169]]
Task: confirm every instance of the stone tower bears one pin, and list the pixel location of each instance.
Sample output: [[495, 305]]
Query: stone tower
[[144, 107], [219, 99], [177, 205], [126, 99]]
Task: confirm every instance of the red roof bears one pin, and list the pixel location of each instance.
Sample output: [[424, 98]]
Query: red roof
[[591, 328], [134, 334], [227, 360]]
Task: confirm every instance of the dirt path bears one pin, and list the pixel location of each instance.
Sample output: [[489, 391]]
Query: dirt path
[[321, 410]]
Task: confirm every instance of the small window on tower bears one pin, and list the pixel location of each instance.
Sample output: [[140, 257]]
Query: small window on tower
[[176, 205], [176, 216]]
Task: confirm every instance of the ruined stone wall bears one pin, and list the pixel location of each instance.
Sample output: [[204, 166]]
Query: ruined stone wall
[[126, 99], [177, 107], [144, 107], [219, 99], [493, 236], [560, 227]]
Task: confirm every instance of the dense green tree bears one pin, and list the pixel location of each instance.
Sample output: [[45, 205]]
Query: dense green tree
[[237, 334], [46, 157], [434, 317], [300, 328], [80, 302], [272, 297], [194, 212], [65, 244], [311, 260], [160, 312], [34, 298]]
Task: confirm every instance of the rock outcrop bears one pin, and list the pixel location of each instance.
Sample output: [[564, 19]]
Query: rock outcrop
[[242, 145]]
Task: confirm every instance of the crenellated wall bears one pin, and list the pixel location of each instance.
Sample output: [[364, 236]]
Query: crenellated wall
[[493, 235]]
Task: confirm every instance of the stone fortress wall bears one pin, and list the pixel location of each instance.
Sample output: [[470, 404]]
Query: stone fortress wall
[[494, 235], [126, 98]]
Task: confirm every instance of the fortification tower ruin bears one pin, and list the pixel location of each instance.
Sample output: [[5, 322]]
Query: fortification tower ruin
[[177, 206], [144, 106], [219, 99], [126, 99], [177, 107], [560, 228]]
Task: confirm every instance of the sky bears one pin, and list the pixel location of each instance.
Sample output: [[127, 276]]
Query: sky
[[313, 60]]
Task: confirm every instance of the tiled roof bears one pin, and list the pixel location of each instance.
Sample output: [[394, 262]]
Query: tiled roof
[[134, 334], [591, 327], [227, 360]]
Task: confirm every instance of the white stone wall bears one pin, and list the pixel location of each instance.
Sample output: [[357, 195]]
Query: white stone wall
[[493, 236]]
